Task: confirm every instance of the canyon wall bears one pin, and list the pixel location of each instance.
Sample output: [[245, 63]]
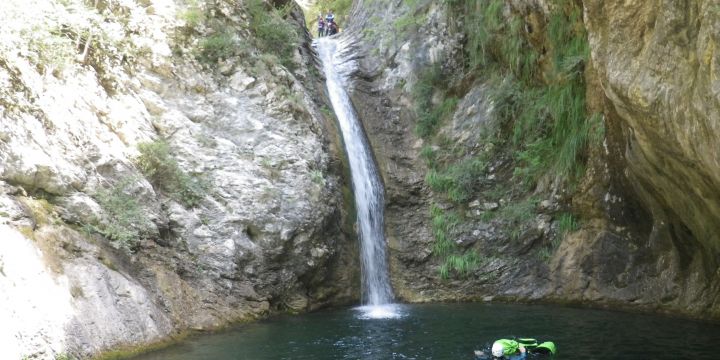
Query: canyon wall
[[159, 173], [638, 228]]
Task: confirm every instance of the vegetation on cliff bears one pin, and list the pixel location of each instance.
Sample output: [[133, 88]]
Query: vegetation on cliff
[[341, 9], [211, 36], [540, 123], [160, 167]]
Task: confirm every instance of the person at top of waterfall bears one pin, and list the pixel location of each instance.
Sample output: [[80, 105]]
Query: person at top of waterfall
[[321, 25], [332, 28], [330, 17], [505, 349]]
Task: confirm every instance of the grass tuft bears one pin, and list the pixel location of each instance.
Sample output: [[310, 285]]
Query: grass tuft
[[550, 128], [456, 261], [567, 223]]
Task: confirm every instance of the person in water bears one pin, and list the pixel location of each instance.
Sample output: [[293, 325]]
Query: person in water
[[517, 349], [508, 349]]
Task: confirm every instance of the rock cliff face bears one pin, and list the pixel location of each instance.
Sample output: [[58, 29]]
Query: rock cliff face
[[77, 99], [647, 206], [658, 66], [255, 225]]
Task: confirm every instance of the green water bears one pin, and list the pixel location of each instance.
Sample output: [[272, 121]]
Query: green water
[[453, 331]]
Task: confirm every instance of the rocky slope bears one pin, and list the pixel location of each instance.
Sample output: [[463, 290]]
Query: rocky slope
[[638, 229], [254, 225]]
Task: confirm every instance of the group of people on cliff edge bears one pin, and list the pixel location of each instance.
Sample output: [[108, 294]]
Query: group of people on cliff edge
[[327, 26]]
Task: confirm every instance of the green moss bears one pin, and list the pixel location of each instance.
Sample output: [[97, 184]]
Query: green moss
[[411, 20], [43, 212], [430, 115]]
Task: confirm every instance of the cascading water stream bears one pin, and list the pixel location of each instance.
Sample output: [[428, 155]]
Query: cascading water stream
[[368, 189]]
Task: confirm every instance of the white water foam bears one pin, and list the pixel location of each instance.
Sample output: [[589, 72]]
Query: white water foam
[[386, 311]]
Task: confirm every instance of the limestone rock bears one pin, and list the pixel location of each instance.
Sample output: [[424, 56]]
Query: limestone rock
[[657, 66], [491, 206], [263, 235]]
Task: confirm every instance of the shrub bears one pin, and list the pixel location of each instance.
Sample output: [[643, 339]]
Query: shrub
[[51, 51], [273, 33], [125, 222], [215, 47], [519, 212], [193, 16], [163, 171], [317, 177]]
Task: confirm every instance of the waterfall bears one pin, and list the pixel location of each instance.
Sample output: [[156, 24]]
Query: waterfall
[[368, 189]]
